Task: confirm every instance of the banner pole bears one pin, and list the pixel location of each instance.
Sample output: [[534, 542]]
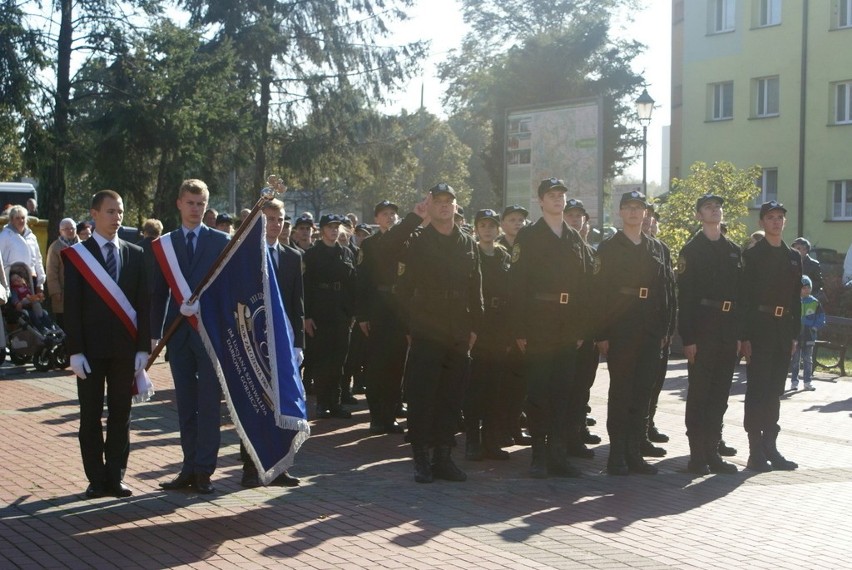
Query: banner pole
[[267, 194]]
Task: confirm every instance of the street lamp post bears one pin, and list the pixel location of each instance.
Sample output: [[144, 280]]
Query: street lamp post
[[644, 109]]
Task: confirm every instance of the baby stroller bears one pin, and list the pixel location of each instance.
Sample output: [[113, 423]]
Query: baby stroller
[[28, 338]]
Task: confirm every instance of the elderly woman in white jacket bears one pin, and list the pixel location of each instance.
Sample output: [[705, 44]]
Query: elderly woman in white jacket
[[18, 243]]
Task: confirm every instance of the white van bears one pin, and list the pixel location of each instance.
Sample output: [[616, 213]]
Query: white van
[[16, 194]]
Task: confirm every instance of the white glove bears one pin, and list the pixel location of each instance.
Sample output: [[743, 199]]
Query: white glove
[[189, 309], [80, 365], [140, 361], [300, 355]]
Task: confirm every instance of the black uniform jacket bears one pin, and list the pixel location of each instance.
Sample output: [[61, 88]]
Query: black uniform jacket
[[329, 283], [633, 287], [772, 285], [709, 281], [440, 285], [550, 283]]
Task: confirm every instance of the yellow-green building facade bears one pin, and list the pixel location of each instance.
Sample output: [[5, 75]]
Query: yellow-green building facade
[[769, 82]]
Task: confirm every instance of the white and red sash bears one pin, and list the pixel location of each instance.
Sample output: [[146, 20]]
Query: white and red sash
[[164, 252], [107, 289]]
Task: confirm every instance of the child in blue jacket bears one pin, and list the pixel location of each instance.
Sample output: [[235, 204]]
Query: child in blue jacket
[[813, 319]]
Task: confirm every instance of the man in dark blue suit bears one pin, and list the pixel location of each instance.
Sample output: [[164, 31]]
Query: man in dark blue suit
[[196, 248], [106, 290], [287, 266]]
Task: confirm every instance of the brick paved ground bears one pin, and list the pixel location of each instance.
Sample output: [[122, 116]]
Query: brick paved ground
[[359, 507]]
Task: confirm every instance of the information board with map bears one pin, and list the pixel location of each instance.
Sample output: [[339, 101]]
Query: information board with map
[[562, 140]]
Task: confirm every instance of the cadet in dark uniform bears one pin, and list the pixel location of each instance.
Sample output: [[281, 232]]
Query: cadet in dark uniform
[[648, 449], [482, 403], [329, 306], [441, 287], [772, 283], [709, 274], [586, 369], [379, 315], [515, 393], [634, 293], [549, 286]]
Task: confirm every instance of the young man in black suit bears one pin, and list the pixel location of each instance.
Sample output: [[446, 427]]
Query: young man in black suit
[[107, 327], [287, 265]]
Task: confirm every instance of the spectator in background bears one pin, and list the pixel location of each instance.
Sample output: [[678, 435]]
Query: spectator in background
[[18, 243], [32, 207], [352, 218], [151, 230], [810, 266], [225, 223], [84, 231], [847, 268], [286, 230], [209, 218], [754, 238], [55, 271]]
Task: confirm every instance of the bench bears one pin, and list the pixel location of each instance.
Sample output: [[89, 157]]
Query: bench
[[838, 330]]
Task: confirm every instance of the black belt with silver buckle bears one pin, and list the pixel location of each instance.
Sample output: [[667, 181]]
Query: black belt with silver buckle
[[641, 292], [437, 293], [335, 286], [725, 306], [561, 298], [776, 311]]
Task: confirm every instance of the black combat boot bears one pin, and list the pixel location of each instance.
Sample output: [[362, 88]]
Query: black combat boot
[[557, 458], [757, 460], [648, 449], [616, 464], [538, 468], [697, 458], [726, 450], [443, 466], [589, 437], [656, 435], [635, 462], [575, 445], [422, 467], [472, 441], [714, 460], [778, 461], [491, 445]]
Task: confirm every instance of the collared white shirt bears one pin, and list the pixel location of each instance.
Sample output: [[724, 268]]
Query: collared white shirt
[[102, 241]]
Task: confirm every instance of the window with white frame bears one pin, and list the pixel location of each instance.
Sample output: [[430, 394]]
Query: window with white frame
[[766, 92], [770, 12], [843, 102], [768, 184], [721, 101], [844, 13], [842, 200], [722, 15]]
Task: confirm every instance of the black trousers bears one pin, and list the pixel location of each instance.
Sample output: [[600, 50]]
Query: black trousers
[[586, 369], [104, 459], [550, 377], [662, 368], [633, 360], [488, 375], [767, 373], [709, 387], [330, 344], [356, 357], [386, 348], [514, 393], [435, 376]]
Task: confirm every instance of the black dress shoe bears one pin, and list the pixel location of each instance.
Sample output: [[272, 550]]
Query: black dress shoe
[[394, 427], [285, 480], [323, 414], [349, 400], [377, 428], [95, 491], [119, 490], [182, 481], [203, 484]]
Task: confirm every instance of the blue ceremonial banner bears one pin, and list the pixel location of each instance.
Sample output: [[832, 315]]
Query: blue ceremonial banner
[[250, 341]]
